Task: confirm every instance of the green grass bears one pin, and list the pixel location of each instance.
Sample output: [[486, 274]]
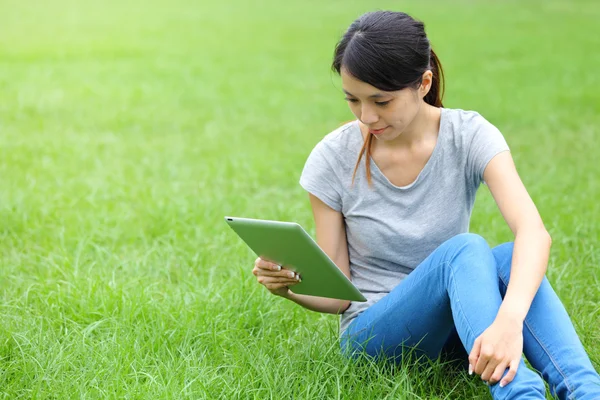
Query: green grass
[[129, 129]]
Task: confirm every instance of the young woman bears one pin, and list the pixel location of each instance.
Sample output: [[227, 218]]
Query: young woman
[[397, 226]]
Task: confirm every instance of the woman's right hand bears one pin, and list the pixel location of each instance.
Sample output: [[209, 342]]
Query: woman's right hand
[[275, 278]]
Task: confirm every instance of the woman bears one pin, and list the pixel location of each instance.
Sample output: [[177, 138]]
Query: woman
[[397, 226]]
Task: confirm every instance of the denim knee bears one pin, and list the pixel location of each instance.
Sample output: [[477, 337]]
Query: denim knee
[[469, 239], [468, 242], [470, 250]]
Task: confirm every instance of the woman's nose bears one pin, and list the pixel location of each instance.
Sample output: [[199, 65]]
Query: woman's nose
[[368, 116]]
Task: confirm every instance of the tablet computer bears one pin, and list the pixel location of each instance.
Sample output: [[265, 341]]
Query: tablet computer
[[289, 245]]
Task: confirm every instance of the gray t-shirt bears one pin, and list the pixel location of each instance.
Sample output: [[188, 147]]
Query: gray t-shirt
[[390, 229]]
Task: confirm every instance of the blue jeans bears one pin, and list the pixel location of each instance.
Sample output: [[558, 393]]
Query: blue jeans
[[459, 288]]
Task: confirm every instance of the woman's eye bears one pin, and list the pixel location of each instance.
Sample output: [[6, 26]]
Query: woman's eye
[[379, 103]]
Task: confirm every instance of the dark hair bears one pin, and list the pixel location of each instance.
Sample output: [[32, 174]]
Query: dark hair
[[390, 51]]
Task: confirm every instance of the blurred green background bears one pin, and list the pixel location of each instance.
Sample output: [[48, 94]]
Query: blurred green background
[[128, 129]]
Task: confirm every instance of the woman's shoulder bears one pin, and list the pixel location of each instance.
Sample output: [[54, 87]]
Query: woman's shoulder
[[346, 132], [463, 125], [462, 119], [337, 148], [346, 137]]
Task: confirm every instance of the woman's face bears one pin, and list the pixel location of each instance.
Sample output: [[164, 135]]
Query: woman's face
[[377, 109]]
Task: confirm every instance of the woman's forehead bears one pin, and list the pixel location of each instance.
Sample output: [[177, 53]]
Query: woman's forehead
[[355, 87]]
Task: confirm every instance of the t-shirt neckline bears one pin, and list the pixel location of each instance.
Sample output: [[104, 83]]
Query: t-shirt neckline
[[428, 164]]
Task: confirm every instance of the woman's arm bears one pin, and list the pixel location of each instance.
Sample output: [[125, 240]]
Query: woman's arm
[[319, 304], [532, 241], [501, 344]]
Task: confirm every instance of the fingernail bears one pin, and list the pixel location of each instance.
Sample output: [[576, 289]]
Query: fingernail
[[297, 277], [291, 274], [278, 268], [502, 384], [470, 370]]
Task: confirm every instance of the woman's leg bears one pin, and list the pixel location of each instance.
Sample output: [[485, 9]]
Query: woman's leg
[[456, 285], [550, 342]]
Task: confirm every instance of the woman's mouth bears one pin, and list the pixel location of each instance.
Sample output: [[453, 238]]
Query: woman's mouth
[[378, 131]]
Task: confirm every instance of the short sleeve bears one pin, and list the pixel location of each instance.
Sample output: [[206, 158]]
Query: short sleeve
[[487, 141], [318, 176]]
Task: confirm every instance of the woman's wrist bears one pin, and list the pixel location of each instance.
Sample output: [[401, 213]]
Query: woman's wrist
[[510, 317], [288, 295]]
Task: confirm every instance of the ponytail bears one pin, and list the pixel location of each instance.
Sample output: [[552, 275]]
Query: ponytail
[[436, 92]]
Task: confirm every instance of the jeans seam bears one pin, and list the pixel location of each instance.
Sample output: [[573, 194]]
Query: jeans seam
[[459, 304], [535, 336]]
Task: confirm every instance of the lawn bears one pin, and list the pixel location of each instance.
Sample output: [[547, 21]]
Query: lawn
[[129, 129]]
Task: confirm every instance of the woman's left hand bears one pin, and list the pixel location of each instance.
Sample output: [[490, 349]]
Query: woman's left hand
[[499, 347]]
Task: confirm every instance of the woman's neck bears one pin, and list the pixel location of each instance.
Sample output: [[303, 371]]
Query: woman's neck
[[424, 127]]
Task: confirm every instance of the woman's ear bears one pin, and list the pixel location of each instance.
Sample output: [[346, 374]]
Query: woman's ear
[[426, 82]]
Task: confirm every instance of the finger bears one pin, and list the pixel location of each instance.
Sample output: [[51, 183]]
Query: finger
[[485, 355], [474, 355], [493, 363], [498, 372], [512, 372], [267, 265], [267, 280], [489, 370], [284, 273]]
